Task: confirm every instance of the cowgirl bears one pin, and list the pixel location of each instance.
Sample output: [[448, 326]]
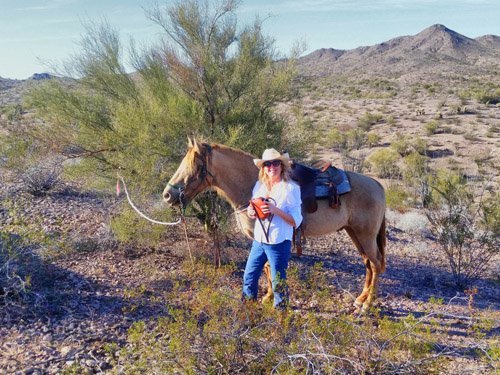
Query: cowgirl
[[273, 236]]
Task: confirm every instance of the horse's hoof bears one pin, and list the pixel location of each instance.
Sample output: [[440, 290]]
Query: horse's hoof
[[357, 304], [364, 310], [266, 299]]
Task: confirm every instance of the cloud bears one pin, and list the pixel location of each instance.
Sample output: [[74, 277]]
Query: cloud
[[46, 5]]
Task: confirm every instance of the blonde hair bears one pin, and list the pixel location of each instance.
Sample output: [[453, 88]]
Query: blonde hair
[[285, 174]]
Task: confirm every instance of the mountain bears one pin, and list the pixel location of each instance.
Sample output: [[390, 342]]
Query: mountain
[[7, 83], [435, 50], [41, 76], [13, 90], [489, 41]]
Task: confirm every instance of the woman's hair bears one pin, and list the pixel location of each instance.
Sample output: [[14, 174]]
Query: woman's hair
[[285, 174]]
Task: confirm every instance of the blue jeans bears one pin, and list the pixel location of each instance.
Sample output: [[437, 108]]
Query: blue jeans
[[278, 256]]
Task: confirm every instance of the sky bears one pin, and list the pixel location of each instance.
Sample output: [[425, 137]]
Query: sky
[[36, 35]]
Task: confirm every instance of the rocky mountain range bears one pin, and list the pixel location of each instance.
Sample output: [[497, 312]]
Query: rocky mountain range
[[435, 50]]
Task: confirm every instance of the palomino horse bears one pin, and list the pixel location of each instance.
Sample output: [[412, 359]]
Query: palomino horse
[[232, 174]]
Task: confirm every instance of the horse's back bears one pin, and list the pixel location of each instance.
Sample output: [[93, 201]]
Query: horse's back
[[363, 207]]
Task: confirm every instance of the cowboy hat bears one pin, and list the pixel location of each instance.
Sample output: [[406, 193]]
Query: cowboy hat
[[271, 154]]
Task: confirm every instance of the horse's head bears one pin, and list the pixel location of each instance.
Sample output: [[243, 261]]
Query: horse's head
[[192, 175]]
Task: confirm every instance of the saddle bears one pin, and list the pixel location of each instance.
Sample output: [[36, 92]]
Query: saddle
[[327, 183]]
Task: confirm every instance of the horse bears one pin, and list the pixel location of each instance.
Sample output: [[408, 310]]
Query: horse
[[233, 174]]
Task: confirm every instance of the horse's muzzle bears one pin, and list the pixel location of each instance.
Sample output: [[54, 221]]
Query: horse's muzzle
[[171, 196]]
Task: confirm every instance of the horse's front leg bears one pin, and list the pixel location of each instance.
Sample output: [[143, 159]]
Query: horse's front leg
[[269, 295]]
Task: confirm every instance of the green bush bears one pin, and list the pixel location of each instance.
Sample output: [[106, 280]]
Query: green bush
[[211, 79], [13, 112], [468, 241], [402, 144], [383, 163], [488, 96], [369, 119], [208, 330], [431, 127], [130, 228], [372, 139], [396, 197]]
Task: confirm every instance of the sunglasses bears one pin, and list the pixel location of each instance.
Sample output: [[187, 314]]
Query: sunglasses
[[274, 163]]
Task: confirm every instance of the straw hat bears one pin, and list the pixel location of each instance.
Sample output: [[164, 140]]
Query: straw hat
[[272, 154]]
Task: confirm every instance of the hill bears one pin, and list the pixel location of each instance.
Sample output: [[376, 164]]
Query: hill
[[436, 50]]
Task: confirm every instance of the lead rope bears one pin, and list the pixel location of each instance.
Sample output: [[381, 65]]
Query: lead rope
[[184, 225], [136, 209], [182, 219]]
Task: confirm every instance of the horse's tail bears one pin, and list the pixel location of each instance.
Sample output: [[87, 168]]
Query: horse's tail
[[381, 244]]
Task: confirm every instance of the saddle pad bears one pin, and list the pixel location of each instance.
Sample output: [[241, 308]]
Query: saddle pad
[[335, 175]]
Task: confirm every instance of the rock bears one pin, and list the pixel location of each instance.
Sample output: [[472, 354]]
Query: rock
[[65, 350]]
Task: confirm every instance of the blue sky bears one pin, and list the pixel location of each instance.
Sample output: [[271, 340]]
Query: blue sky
[[37, 33]]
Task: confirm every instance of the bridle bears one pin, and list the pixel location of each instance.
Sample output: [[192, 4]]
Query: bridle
[[203, 176]]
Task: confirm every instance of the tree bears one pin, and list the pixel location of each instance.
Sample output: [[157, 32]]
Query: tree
[[208, 79], [231, 74]]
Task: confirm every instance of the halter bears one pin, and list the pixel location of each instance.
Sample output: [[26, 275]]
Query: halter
[[202, 176]]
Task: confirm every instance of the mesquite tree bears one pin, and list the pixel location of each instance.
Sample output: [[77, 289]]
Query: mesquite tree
[[207, 78]]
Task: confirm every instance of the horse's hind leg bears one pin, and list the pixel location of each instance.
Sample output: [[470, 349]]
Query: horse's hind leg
[[372, 295], [366, 287], [367, 246]]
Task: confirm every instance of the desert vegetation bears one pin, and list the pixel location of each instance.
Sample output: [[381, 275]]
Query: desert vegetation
[[87, 286]]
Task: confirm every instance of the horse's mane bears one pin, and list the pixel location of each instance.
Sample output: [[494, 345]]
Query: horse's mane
[[235, 150], [205, 148]]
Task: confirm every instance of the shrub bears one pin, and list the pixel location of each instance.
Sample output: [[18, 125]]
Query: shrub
[[209, 331], [356, 138], [402, 144], [465, 231], [13, 254], [353, 163], [129, 228], [431, 127], [396, 197], [353, 139], [416, 176], [41, 178], [383, 163], [368, 119], [488, 96], [13, 113], [391, 120], [372, 139]]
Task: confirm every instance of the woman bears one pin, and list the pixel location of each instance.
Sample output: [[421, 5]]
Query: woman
[[273, 235]]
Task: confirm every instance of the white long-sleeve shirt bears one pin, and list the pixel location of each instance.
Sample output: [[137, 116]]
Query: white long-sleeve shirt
[[286, 194]]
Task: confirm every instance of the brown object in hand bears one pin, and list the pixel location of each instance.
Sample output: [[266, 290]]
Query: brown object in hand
[[257, 204]]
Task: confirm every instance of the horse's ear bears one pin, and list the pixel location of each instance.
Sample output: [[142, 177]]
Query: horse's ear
[[190, 142], [196, 146]]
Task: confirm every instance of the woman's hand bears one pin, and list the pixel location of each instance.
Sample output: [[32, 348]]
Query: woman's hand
[[273, 209], [270, 208], [251, 212]]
